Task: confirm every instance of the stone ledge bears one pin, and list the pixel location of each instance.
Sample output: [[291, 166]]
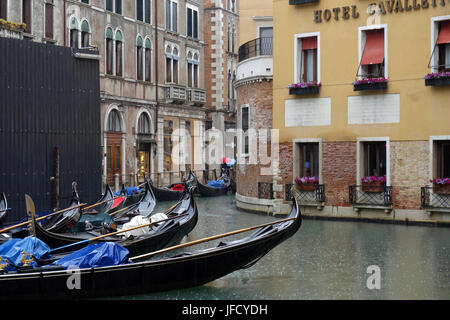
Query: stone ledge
[[358, 207]]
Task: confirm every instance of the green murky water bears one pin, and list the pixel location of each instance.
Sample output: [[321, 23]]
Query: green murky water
[[325, 260]]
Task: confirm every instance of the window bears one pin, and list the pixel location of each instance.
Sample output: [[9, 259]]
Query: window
[[372, 63], [192, 22], [172, 15], [109, 51], [143, 10], [266, 36], [4, 9], [442, 158], [48, 20], [374, 159], [245, 127], [114, 6], [139, 59], [144, 124], [114, 121], [85, 1], [172, 57], [85, 34], [231, 5], [308, 69], [443, 46], [308, 161], [119, 54], [26, 15], [148, 60], [192, 63], [74, 33]]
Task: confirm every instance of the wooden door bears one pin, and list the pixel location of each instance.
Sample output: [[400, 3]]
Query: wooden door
[[114, 157]]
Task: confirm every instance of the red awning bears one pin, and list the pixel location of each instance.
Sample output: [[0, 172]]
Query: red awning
[[444, 34], [374, 49], [309, 43]]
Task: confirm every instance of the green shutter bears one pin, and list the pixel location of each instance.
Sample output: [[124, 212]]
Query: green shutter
[[139, 42], [85, 26], [119, 36], [148, 44], [109, 33]]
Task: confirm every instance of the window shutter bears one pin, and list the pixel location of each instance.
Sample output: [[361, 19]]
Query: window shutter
[[49, 20]]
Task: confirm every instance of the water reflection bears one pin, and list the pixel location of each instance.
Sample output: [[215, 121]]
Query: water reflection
[[325, 260]]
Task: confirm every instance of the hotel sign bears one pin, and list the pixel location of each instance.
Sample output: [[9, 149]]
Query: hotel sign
[[380, 7]]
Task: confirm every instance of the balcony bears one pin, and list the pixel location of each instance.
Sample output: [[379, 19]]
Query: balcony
[[11, 30], [196, 96], [434, 200], [176, 94], [257, 47], [314, 196], [294, 2], [371, 197]]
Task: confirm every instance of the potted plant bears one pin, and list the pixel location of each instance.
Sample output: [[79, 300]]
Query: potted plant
[[441, 185], [437, 79], [304, 88], [370, 84], [306, 183], [373, 184]]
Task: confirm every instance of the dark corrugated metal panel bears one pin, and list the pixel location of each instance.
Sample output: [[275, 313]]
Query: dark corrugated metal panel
[[48, 99]]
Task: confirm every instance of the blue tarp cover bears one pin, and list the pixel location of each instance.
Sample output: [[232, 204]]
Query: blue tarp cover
[[22, 252], [216, 184], [130, 191], [95, 255]]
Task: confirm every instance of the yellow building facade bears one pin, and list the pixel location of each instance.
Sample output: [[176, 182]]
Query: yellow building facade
[[352, 105]]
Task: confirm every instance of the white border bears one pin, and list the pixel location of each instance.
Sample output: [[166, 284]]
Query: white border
[[434, 36], [295, 170]]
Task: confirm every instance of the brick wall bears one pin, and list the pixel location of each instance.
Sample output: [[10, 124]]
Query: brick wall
[[338, 171], [409, 172]]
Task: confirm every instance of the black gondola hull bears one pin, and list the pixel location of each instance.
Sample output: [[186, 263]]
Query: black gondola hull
[[153, 276]]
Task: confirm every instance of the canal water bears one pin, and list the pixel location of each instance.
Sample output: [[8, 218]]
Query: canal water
[[324, 260]]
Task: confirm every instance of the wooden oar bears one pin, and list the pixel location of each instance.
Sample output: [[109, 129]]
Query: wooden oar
[[41, 218], [117, 232], [183, 245]]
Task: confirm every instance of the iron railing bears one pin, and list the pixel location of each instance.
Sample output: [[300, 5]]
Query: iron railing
[[370, 195], [257, 47], [265, 190], [433, 200], [315, 196]]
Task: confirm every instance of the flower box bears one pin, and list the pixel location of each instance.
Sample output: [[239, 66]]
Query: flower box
[[441, 185], [445, 81], [370, 86], [441, 189], [304, 88], [375, 187], [306, 187]]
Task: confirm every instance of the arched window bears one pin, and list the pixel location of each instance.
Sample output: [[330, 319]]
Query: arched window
[[85, 32], [119, 53], [139, 58], [195, 70], [148, 60], [109, 51], [74, 33], [144, 124], [114, 122]]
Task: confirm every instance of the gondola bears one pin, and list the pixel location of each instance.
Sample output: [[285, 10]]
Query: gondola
[[165, 234], [166, 194], [3, 207], [205, 190], [180, 271], [66, 220]]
